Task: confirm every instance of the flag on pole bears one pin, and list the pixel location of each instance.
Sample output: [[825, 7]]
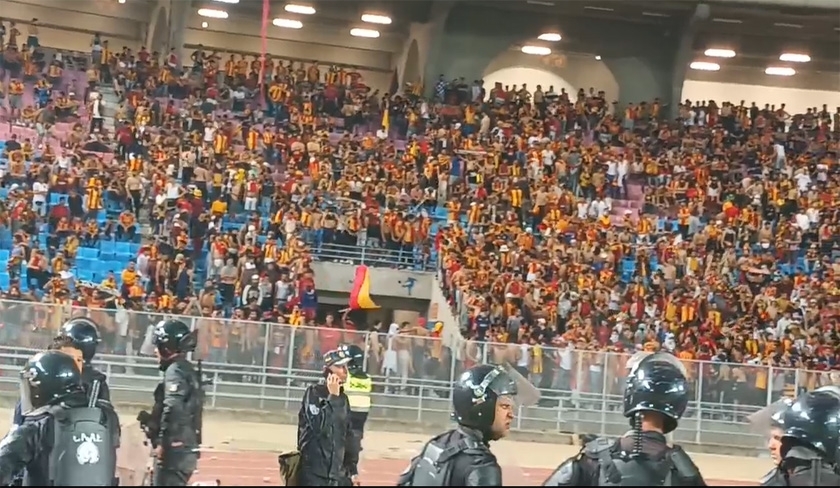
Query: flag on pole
[[360, 293], [386, 115]]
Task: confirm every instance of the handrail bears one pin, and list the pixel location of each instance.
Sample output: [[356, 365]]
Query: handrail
[[373, 256]]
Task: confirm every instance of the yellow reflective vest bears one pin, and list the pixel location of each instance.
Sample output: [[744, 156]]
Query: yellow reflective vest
[[358, 391]]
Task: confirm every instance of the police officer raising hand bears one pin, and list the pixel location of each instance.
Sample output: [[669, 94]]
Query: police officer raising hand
[[179, 401], [334, 385], [328, 454]]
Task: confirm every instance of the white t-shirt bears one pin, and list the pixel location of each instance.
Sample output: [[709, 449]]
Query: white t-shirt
[[39, 192]]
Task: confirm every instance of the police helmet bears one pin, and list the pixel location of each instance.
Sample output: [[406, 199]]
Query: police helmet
[[656, 383], [84, 334], [173, 337], [475, 393], [357, 357], [337, 357], [813, 421], [48, 378]]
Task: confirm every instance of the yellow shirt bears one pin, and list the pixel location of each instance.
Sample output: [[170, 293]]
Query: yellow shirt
[[218, 207]]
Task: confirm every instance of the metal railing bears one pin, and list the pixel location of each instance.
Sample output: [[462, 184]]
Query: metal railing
[[373, 256], [263, 365]]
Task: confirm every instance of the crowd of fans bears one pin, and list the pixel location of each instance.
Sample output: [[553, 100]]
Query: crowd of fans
[[561, 225]]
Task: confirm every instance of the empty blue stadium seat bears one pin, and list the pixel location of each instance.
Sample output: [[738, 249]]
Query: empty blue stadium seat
[[88, 253], [122, 249]]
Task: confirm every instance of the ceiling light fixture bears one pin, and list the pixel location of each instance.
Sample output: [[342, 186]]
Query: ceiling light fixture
[[785, 24], [600, 9], [232, 2], [654, 14], [795, 58], [550, 37], [120, 1], [287, 23], [597, 58], [204, 25], [299, 9], [376, 19], [780, 71], [536, 50], [704, 66], [719, 53], [212, 13], [722, 20], [369, 33]]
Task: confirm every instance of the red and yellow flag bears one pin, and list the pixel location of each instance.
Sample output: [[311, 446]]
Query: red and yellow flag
[[360, 293]]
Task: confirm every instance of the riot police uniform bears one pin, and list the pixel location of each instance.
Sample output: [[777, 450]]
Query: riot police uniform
[[358, 390], [657, 391], [461, 456], [83, 334], [175, 423], [66, 438], [810, 440], [329, 454]]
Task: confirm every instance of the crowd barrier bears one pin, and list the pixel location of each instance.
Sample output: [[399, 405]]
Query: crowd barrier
[[581, 389]]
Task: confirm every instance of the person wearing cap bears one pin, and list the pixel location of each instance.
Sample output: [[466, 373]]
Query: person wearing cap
[[328, 454]]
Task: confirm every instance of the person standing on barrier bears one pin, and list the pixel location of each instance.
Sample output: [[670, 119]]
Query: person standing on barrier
[[810, 440], [174, 426], [67, 437], [483, 406], [655, 398], [329, 454]]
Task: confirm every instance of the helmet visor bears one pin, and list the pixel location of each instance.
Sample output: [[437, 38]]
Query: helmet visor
[[27, 400], [508, 382], [768, 418], [641, 357]]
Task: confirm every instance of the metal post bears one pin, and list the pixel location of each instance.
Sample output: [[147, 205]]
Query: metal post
[[769, 383], [215, 388], [420, 403], [265, 363], [604, 388], [367, 351], [291, 356], [193, 326], [699, 397]]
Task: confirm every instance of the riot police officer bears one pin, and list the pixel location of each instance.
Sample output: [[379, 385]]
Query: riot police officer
[[83, 431], [78, 338], [329, 454], [358, 389], [483, 406], [810, 441], [175, 423], [655, 398], [83, 333], [766, 424]]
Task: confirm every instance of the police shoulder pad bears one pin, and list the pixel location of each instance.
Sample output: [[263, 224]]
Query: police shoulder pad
[[597, 446]]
